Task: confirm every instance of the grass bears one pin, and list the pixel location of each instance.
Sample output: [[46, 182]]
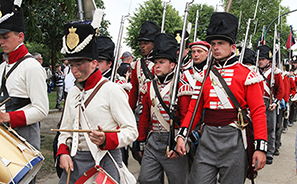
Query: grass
[[52, 98], [46, 148]]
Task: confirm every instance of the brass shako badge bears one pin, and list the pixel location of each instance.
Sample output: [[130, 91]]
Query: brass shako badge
[[178, 38], [72, 38]]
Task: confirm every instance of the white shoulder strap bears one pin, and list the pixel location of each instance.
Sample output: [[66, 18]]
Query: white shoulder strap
[[154, 108], [190, 78]]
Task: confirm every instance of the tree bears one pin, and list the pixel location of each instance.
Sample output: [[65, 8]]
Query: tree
[[151, 10], [267, 11], [44, 22], [203, 20]]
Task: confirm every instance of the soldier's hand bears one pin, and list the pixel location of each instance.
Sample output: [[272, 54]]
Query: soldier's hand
[[260, 157], [172, 155], [272, 106], [140, 153], [4, 117], [181, 146], [97, 137], [141, 146], [66, 162]]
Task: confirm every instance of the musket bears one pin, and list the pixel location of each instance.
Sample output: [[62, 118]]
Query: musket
[[272, 80], [251, 36], [209, 63], [246, 34], [196, 23], [173, 101], [80, 10], [164, 14], [258, 50], [117, 51], [280, 63], [84, 131], [239, 19]]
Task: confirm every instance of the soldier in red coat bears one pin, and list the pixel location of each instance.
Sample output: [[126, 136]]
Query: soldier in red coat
[[142, 69], [221, 149], [277, 95], [154, 124], [139, 75]]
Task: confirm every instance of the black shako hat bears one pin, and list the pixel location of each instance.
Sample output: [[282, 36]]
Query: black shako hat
[[79, 42], [178, 36], [105, 48], [165, 46], [249, 56], [148, 31], [222, 26], [265, 52], [11, 17]]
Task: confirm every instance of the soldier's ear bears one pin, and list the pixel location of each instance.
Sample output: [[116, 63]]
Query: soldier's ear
[[94, 63]]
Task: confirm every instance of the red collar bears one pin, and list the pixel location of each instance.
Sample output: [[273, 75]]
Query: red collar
[[17, 54], [93, 80]]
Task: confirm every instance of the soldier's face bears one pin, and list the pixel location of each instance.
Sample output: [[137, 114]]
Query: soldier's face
[[103, 65], [221, 49], [263, 62], [82, 69], [10, 40], [146, 47], [186, 51], [199, 55], [163, 67]]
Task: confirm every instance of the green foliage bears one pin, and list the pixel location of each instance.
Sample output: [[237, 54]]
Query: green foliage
[[151, 10], [44, 22], [203, 20], [267, 11]]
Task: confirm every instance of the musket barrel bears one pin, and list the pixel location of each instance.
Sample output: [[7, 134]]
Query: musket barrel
[[180, 57], [272, 80], [173, 102], [196, 24], [117, 51], [246, 34]]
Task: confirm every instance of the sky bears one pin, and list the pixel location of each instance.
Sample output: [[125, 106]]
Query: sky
[[116, 8]]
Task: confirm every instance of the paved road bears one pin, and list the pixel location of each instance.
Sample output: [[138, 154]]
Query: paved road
[[282, 171]]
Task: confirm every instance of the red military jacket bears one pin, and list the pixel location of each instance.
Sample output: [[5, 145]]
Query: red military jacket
[[287, 86], [292, 86], [138, 80], [278, 89], [244, 84], [148, 120]]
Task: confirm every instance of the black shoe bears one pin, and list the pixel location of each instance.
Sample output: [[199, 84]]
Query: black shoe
[[59, 107], [276, 152], [269, 160]]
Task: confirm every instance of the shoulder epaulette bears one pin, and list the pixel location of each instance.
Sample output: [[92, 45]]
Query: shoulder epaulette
[[277, 71], [185, 89], [285, 73], [253, 78]]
